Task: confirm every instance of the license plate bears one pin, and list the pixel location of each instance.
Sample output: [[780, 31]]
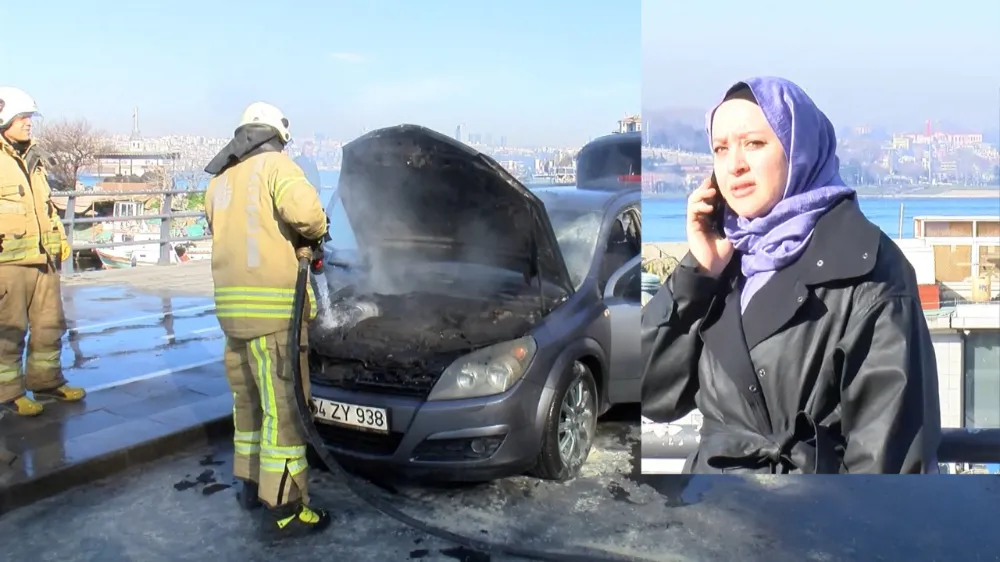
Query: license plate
[[351, 415]]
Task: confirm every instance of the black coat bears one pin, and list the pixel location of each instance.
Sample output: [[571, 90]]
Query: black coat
[[829, 370]]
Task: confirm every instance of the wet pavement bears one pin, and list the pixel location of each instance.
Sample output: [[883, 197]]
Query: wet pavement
[[114, 429], [146, 345], [119, 333], [184, 508]]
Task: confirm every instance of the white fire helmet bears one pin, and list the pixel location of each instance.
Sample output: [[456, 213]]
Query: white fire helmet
[[15, 102], [266, 114]]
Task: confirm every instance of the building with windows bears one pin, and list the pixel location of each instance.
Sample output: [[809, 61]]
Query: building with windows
[[957, 260], [630, 124], [136, 160], [967, 345]]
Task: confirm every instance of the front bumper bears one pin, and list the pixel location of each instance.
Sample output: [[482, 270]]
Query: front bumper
[[457, 440]]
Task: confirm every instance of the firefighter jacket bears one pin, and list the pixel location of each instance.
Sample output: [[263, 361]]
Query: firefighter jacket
[[32, 230], [260, 210]]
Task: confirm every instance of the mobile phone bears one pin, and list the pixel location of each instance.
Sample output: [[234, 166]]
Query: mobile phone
[[718, 216]]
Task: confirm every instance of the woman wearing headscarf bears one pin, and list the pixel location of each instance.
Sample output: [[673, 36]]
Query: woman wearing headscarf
[[797, 331]]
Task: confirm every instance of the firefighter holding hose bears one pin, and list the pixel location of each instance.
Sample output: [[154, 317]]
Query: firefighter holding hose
[[260, 208]]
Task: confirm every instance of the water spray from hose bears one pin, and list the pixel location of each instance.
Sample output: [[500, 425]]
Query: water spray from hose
[[343, 314]]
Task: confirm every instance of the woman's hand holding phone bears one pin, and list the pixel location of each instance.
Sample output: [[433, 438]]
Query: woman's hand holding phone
[[706, 243]]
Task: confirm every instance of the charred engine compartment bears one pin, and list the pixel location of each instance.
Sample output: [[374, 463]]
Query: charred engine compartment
[[402, 343]]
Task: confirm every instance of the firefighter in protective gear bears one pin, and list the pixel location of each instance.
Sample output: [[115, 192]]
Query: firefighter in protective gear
[[32, 242], [260, 208]]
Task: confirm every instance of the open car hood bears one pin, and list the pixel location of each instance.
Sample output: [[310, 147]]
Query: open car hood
[[413, 193]]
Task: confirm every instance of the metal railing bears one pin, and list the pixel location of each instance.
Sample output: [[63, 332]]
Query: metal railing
[[958, 445], [973, 446], [166, 220]]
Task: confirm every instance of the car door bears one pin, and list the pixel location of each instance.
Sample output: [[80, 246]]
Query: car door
[[623, 298], [622, 294]]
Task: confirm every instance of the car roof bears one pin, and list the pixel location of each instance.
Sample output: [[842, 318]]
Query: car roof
[[614, 138], [571, 198]]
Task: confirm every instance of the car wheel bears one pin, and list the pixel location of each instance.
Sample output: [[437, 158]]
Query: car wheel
[[569, 427]]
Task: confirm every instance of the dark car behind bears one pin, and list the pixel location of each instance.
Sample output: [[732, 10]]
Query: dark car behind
[[610, 162]]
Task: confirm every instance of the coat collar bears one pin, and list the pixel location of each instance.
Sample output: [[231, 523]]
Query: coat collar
[[844, 245]]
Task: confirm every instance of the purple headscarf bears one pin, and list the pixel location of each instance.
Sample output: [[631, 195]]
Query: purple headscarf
[[775, 240]]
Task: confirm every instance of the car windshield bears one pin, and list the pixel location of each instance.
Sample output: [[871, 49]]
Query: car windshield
[[576, 229]]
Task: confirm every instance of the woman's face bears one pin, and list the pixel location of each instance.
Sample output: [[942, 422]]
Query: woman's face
[[750, 163]]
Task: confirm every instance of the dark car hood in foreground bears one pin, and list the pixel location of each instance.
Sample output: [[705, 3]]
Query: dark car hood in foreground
[[410, 191]]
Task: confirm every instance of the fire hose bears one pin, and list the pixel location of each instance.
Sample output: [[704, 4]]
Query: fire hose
[[367, 493]]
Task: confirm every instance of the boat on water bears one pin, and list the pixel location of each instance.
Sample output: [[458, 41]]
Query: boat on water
[[127, 256], [136, 243], [139, 255], [111, 259]]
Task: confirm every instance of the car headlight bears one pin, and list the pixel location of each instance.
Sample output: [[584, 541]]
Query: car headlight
[[485, 372]]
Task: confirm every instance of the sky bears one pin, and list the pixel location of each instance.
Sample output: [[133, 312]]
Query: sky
[[557, 72], [884, 63]]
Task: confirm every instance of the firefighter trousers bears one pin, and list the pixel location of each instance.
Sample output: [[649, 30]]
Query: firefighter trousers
[[269, 447], [30, 298]]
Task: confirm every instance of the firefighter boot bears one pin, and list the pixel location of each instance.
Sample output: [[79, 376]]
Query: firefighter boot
[[247, 496], [294, 520], [63, 392], [22, 406]]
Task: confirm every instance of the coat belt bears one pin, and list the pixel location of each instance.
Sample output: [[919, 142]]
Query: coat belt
[[804, 447]]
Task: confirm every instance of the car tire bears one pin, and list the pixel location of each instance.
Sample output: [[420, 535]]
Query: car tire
[[550, 464]]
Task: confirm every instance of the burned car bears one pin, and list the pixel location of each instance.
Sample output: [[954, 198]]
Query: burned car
[[470, 328]]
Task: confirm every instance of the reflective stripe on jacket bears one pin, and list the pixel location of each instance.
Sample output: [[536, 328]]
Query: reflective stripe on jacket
[[31, 228], [259, 210]]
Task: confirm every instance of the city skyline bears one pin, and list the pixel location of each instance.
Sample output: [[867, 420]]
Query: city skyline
[[527, 71], [685, 115], [483, 139], [472, 137], [695, 118]]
